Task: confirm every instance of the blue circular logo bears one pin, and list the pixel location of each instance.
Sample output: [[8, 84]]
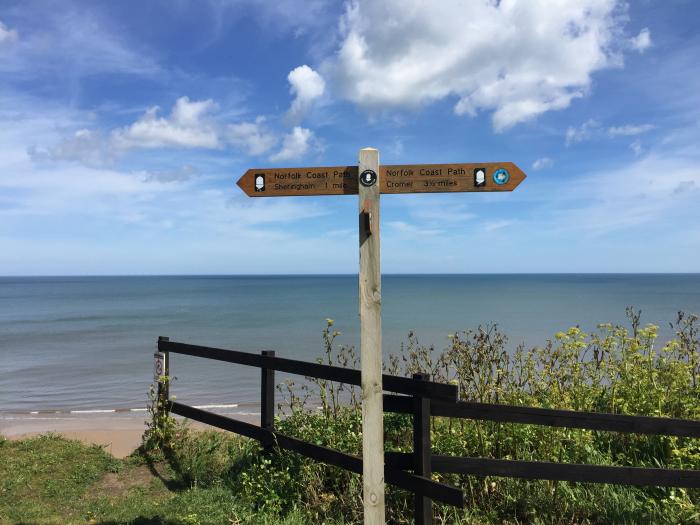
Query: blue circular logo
[[501, 176]]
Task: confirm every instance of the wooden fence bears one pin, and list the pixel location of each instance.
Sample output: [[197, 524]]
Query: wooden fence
[[422, 399]]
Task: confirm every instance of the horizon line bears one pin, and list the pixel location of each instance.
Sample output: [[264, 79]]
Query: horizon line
[[390, 274]]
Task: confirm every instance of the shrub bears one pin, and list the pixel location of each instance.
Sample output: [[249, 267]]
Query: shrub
[[616, 369]]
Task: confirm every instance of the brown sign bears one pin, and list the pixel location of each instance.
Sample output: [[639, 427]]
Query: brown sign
[[419, 178]]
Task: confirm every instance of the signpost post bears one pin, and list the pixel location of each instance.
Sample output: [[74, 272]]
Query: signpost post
[[371, 339], [368, 180]]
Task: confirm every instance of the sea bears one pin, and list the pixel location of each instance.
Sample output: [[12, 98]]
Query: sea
[[85, 345]]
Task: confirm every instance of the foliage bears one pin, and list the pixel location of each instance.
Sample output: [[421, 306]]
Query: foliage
[[616, 369], [161, 427]]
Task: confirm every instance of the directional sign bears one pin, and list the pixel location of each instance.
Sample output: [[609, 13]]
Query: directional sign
[[368, 180], [440, 178], [418, 178]]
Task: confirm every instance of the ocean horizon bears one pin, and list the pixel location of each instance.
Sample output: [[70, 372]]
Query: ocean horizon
[[84, 344]]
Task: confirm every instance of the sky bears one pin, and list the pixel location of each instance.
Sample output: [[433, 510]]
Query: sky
[[124, 127]]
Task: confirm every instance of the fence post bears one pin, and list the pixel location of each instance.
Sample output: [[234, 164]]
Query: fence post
[[423, 507], [267, 396], [162, 368]]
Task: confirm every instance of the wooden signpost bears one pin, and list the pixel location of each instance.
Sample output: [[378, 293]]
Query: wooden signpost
[[369, 180], [419, 178]]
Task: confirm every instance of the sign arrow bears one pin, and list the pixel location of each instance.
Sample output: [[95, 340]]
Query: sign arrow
[[409, 178]]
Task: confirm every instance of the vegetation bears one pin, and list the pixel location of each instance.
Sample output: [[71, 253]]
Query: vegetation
[[183, 476], [160, 425], [53, 480]]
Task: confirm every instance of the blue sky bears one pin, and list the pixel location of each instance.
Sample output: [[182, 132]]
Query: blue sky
[[126, 124]]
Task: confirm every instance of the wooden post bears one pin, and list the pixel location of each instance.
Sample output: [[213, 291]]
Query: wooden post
[[267, 396], [371, 339], [422, 506]]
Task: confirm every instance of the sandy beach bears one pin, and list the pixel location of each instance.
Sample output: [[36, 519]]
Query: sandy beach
[[119, 434]]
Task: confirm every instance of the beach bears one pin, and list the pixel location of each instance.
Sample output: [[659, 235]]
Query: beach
[[118, 434]]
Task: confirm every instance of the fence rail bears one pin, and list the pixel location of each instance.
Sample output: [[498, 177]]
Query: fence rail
[[424, 399], [437, 491], [402, 385], [660, 426]]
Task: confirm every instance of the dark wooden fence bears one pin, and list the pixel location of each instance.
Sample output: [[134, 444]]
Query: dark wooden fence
[[422, 399]]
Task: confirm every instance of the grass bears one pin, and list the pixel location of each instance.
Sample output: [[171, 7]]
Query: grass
[[53, 480]]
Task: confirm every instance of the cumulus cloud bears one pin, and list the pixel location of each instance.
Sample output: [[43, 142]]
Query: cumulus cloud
[[251, 136], [190, 124], [306, 85], [517, 59], [187, 126], [294, 145], [7, 34], [542, 163], [642, 41]]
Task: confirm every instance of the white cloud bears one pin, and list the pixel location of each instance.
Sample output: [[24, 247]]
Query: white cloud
[[592, 129], [629, 130], [190, 124], [85, 146], [517, 59], [181, 174], [294, 145], [57, 218], [542, 163], [187, 126], [492, 226], [650, 190], [636, 146], [406, 229], [585, 131], [7, 34], [306, 85], [73, 43], [642, 41], [280, 14], [251, 136]]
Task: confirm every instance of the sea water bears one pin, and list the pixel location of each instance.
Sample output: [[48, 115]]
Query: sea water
[[87, 343]]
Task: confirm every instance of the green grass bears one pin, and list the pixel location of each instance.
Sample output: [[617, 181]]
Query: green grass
[[53, 480]]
